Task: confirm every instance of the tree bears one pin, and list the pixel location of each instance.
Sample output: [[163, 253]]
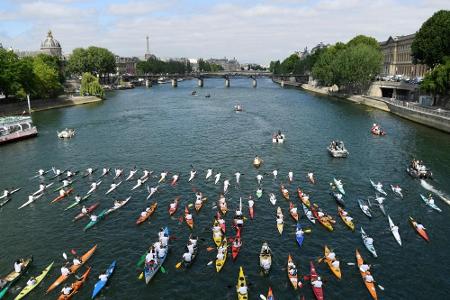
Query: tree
[[438, 80], [365, 40], [274, 67], [77, 63], [91, 86], [47, 83], [96, 60], [432, 42], [288, 64]]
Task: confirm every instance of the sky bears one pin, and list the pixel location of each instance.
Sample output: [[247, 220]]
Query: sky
[[250, 31]]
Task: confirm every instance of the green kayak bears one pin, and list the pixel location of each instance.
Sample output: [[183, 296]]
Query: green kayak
[[29, 288], [75, 203], [62, 186], [92, 223]]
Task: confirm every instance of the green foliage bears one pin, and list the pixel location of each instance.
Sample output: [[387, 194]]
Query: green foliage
[[274, 67], [156, 66], [96, 60], [437, 81], [90, 86], [46, 84], [205, 66], [366, 40], [432, 42]]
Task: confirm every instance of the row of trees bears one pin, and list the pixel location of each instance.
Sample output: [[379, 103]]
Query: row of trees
[[293, 64], [156, 66], [38, 76], [204, 66], [95, 60]]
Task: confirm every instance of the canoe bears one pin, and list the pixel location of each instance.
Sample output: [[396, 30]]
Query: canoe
[[421, 232], [173, 210], [30, 201], [113, 209], [292, 278], [234, 249], [89, 210], [395, 232], [365, 211], [281, 225], [12, 277], [221, 262], [113, 188], [339, 198], [318, 292], [76, 286], [150, 271], [259, 193], [322, 220], [349, 223], [427, 202], [293, 215], [336, 271], [270, 294], [143, 218], [200, 205], [303, 197], [272, 198], [368, 245], [241, 282], [284, 191], [377, 188], [339, 186], [84, 258], [219, 237], [190, 222], [75, 203], [265, 256], [101, 284], [28, 288], [99, 217], [60, 197], [251, 211], [369, 285], [308, 214], [299, 237]]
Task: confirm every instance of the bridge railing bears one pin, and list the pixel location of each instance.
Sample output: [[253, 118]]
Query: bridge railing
[[415, 107]]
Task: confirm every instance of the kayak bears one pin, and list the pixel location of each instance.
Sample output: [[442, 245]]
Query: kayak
[[12, 277], [93, 189], [369, 285], [60, 197], [339, 198], [308, 214], [222, 225], [303, 197], [63, 186], [263, 256], [102, 283], [369, 245], [73, 268], [89, 174], [272, 198], [349, 223], [270, 294], [38, 192], [379, 189], [336, 270], [219, 236], [151, 270], [114, 208], [380, 203], [421, 232], [427, 202], [173, 210], [199, 206], [293, 214], [284, 192], [318, 292], [31, 201], [397, 192], [394, 231], [251, 211], [113, 188], [299, 236], [366, 211], [29, 288], [99, 217], [325, 220], [234, 249], [259, 193], [89, 210], [76, 286], [339, 186], [148, 213], [189, 222], [194, 255], [280, 216], [192, 175], [241, 282], [292, 278], [75, 203], [221, 262]]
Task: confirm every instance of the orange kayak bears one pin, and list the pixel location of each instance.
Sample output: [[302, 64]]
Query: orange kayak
[[190, 222], [284, 192], [72, 269], [292, 278], [173, 210], [62, 197], [76, 286], [143, 218], [303, 197], [369, 285], [294, 215], [420, 231]]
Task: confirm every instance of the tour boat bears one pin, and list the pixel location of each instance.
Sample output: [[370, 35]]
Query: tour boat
[[16, 128]]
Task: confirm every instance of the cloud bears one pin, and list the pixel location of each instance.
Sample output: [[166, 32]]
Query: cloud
[[136, 8]]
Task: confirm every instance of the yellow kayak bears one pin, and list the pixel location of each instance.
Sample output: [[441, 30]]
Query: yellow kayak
[[241, 282], [217, 239], [336, 271], [349, 223], [29, 288], [280, 225], [221, 262]]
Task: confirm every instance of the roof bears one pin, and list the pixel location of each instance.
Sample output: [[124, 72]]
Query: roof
[[50, 42]]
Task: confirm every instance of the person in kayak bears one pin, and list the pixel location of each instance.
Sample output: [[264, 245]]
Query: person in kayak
[[317, 283], [118, 172], [190, 247], [65, 271], [299, 232], [364, 268], [243, 289], [89, 171], [293, 210], [265, 263], [62, 192], [369, 240], [105, 171], [266, 250], [41, 172], [93, 218], [430, 199], [66, 290], [76, 261], [93, 186], [84, 210], [164, 240], [150, 258], [237, 243], [173, 205], [78, 198], [420, 226], [193, 241], [5, 193], [365, 207], [238, 176], [291, 176], [259, 177], [65, 182], [188, 216], [275, 174], [187, 257], [18, 264], [162, 252], [113, 186], [117, 203], [335, 263], [217, 178], [69, 173], [368, 278], [31, 281], [103, 277], [198, 197], [251, 202]]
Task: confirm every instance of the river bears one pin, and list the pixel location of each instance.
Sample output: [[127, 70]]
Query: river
[[165, 128]]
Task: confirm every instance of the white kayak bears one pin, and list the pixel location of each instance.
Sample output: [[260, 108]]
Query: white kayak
[[369, 244], [31, 201], [92, 189], [394, 231], [208, 174], [378, 188], [192, 175], [365, 208], [272, 198], [430, 204], [397, 191], [308, 214], [10, 193], [217, 178], [339, 185], [42, 191], [131, 175], [114, 208], [113, 188]]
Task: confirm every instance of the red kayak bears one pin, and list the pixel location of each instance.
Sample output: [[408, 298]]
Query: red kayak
[[62, 197], [89, 210], [222, 224], [377, 132], [420, 231], [251, 211], [318, 292], [234, 249], [173, 210]]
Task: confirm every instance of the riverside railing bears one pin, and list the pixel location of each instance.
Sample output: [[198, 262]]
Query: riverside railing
[[413, 106]]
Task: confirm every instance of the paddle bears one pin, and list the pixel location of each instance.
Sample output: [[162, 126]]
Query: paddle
[[178, 265], [209, 249], [262, 297], [64, 255], [210, 263]]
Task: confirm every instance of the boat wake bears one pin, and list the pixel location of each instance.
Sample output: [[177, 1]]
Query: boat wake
[[431, 188]]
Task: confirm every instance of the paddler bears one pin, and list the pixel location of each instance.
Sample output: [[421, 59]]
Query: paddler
[[62, 192], [265, 263], [364, 268], [238, 219], [76, 261], [89, 171], [217, 176], [279, 219], [430, 199], [150, 257], [66, 290], [208, 173], [94, 186], [190, 247], [118, 172], [161, 233], [93, 218], [164, 240], [5, 193], [293, 210], [259, 177], [65, 271], [420, 226], [173, 205], [69, 173], [368, 278], [103, 277], [238, 176], [113, 186], [243, 289], [31, 281], [105, 171], [291, 176], [226, 184], [188, 216], [331, 255], [41, 188], [78, 198], [162, 252], [56, 171], [237, 243], [317, 283], [18, 264], [299, 232], [84, 210], [65, 182], [193, 241], [365, 207], [275, 174], [192, 174], [117, 203], [335, 263], [175, 178], [41, 172], [251, 202], [163, 176], [187, 257]]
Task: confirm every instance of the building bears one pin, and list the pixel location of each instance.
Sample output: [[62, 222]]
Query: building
[[49, 46], [126, 65], [398, 59], [227, 64]]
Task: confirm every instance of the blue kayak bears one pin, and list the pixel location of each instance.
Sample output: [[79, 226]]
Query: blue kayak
[[101, 284], [151, 270], [299, 237]]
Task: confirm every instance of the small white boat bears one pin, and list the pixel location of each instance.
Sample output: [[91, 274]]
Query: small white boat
[[397, 190], [429, 203], [378, 187], [394, 230], [113, 187], [66, 133], [278, 139], [272, 198]]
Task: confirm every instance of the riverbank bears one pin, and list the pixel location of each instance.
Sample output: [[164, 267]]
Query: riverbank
[[18, 108], [434, 118]]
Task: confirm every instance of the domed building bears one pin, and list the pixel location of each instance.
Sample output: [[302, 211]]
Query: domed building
[[51, 46]]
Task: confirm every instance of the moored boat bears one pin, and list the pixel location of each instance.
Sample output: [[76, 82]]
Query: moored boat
[[16, 128]]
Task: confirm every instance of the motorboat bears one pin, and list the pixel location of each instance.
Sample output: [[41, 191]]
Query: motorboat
[[337, 149], [66, 133], [278, 138], [238, 108]]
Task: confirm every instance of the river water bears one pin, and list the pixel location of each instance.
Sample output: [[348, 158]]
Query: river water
[[163, 128]]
